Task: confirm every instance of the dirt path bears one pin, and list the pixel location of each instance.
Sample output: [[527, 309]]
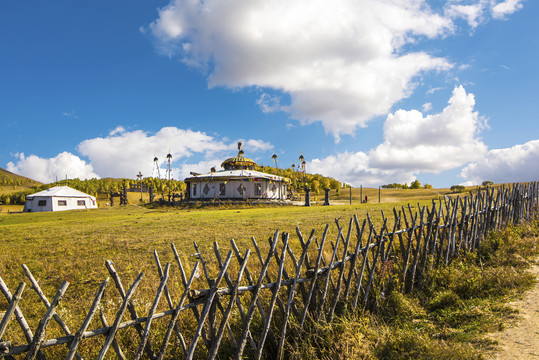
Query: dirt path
[[521, 340]]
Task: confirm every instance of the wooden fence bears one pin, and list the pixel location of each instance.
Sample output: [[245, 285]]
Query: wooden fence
[[248, 311]]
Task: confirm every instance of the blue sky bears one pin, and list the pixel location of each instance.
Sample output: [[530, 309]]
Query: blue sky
[[370, 92]]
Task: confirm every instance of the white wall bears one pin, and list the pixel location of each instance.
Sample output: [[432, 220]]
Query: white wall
[[52, 204], [231, 192]]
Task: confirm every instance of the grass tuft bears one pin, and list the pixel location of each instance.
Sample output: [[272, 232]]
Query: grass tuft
[[446, 319]]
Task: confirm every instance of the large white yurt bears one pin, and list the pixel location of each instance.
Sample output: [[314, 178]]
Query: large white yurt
[[238, 181], [59, 198]]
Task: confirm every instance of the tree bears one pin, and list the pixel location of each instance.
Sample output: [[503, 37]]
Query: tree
[[334, 184], [274, 157], [487, 183], [415, 184], [315, 186], [324, 183]]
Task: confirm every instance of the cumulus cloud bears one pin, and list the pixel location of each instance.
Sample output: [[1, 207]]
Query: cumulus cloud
[[49, 170], [518, 163], [185, 169], [432, 143], [122, 154], [254, 145], [354, 169], [414, 143], [339, 62]]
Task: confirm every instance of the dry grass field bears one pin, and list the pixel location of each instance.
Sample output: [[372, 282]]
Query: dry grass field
[[74, 245]]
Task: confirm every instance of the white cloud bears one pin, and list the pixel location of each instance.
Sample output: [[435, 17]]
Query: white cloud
[[339, 62], [201, 167], [414, 144], [518, 163], [427, 107], [122, 154], [268, 103], [118, 130], [472, 13], [354, 169], [70, 114], [432, 143], [49, 170], [253, 145], [505, 8], [476, 12], [433, 90]]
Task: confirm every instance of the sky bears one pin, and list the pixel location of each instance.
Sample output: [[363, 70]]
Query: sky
[[370, 92]]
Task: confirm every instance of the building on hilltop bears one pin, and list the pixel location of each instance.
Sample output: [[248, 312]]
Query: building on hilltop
[[59, 198], [238, 181]]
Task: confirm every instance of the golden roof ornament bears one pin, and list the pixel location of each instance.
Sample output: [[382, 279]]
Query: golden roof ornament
[[240, 149], [239, 162]]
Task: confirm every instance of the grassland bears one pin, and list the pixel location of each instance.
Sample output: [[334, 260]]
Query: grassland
[[447, 319], [74, 245], [66, 243]]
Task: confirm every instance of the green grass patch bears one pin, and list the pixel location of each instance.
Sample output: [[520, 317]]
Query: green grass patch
[[456, 306], [446, 319]]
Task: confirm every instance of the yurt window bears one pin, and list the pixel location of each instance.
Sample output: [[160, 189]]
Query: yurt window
[[42, 203], [258, 189], [194, 189], [222, 189], [81, 203], [62, 202]]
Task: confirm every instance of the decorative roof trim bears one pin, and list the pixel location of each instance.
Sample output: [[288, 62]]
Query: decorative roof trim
[[229, 175]]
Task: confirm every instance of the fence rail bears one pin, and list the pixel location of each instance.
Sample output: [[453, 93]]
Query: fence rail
[[248, 311]]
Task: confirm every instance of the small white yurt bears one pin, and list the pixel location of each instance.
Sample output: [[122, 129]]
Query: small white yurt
[[59, 198]]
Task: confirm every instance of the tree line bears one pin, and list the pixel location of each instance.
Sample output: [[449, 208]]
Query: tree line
[[94, 187], [299, 180], [416, 184]]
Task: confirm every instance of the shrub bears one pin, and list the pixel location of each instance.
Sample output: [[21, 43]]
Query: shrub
[[444, 299], [457, 188]]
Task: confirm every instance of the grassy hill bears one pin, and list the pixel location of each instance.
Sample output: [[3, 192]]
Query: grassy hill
[[15, 186], [10, 182]]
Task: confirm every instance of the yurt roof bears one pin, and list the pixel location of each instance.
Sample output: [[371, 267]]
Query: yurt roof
[[61, 191], [238, 160], [236, 175]]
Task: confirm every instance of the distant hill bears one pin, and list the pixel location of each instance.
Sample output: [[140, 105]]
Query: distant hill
[[7, 175], [10, 182]]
